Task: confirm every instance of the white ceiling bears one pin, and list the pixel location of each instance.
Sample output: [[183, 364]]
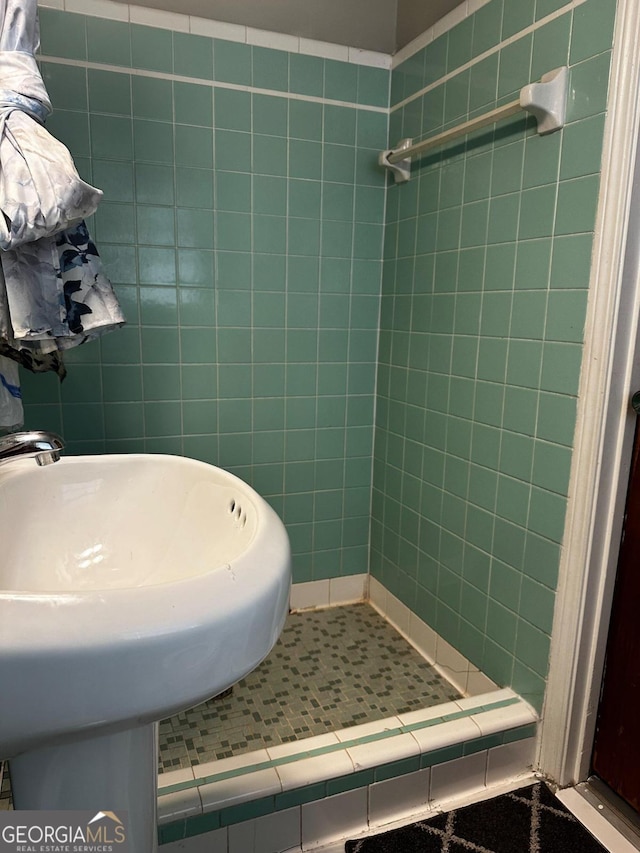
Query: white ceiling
[[381, 25]]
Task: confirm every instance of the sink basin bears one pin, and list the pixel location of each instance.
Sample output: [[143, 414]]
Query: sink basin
[[131, 587]]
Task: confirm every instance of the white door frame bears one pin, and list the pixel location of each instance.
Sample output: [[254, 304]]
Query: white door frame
[[604, 430]]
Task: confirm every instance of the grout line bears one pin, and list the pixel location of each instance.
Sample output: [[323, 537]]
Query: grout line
[[199, 81]]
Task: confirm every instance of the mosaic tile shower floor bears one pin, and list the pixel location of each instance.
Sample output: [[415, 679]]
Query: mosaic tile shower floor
[[330, 669]]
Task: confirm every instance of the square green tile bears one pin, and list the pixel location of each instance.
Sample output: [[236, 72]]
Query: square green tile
[[551, 465], [456, 97], [66, 85], [108, 42], [62, 34], [269, 115], [340, 81], [196, 267], [269, 155], [193, 146], [161, 382], [234, 308], [153, 141], [589, 86], [512, 502], [233, 270], [577, 202], [556, 418], [121, 384], [232, 109], [155, 225], [550, 46], [305, 120], [111, 137], [566, 316], [162, 418], [460, 47], [197, 306], [158, 306], [199, 381], [339, 125], [193, 104], [306, 75], [582, 148], [503, 218], [515, 59], [160, 345], [561, 368], [152, 98], [523, 366], [232, 62], [592, 30], [537, 208], [532, 648], [151, 48], [153, 184], [114, 223], [192, 55], [487, 26], [517, 16], [194, 187], [195, 228], [270, 68], [197, 346], [233, 151], [157, 265]]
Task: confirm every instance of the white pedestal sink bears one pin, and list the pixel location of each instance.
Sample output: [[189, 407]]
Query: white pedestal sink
[[131, 587]]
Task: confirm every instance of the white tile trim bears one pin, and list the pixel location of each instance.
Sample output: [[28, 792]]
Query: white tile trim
[[399, 797], [219, 29], [104, 8], [349, 589], [330, 592], [333, 818], [239, 789], [276, 41], [324, 49], [466, 775], [462, 799], [309, 595], [153, 18]]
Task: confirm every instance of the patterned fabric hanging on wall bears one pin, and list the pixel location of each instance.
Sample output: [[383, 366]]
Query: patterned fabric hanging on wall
[[53, 292]]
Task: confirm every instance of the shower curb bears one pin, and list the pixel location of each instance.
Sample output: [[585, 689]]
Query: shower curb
[[245, 787]]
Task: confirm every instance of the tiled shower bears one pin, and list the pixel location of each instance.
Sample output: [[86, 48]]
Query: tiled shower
[[395, 368]]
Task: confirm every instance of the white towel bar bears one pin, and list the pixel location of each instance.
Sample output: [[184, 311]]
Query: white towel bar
[[545, 100]]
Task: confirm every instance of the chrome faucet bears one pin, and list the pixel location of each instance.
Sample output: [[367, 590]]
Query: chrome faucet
[[44, 446]]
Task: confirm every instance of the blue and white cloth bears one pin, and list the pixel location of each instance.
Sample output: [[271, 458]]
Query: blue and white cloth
[[53, 292]]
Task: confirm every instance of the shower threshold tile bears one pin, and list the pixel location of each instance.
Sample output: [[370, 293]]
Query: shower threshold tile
[[330, 670]]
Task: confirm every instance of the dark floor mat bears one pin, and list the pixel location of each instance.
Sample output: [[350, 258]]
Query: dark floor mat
[[530, 820]]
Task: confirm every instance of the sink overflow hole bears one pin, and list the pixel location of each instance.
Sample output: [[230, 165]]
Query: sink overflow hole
[[236, 510]]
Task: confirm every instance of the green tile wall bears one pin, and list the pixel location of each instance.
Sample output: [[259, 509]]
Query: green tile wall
[[243, 232], [486, 270]]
